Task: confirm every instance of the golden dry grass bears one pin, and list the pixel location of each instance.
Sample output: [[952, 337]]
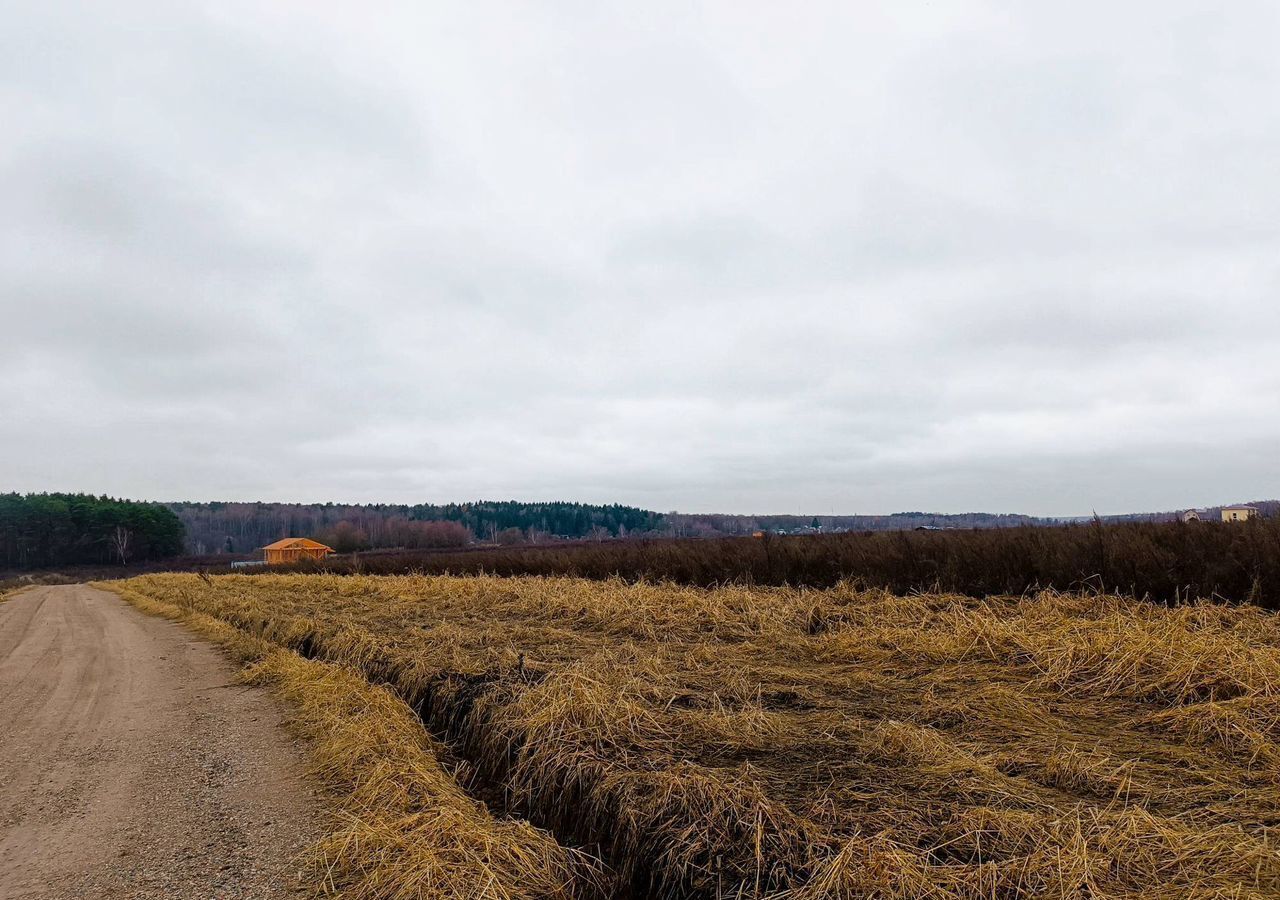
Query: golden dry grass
[[742, 742], [404, 827]]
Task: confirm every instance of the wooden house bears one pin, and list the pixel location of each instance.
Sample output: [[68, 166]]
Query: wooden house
[[293, 549]]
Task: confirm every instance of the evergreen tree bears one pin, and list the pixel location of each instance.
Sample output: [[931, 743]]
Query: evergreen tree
[[38, 530]]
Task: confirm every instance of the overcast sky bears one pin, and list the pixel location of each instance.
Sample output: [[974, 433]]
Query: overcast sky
[[739, 257]]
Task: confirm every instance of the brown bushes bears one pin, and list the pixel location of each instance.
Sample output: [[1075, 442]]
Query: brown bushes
[[1165, 561]]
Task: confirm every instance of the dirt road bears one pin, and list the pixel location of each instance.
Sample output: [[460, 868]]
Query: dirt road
[[131, 765]]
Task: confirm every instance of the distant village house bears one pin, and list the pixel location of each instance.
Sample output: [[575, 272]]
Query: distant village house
[[1238, 513], [1191, 515], [293, 549]]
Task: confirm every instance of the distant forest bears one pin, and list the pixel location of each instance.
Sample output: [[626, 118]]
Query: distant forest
[[40, 530], [243, 527], [217, 528], [722, 525]]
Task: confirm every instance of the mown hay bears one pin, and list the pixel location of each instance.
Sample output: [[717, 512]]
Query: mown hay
[[740, 742]]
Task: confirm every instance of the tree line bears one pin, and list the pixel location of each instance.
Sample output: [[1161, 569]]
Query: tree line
[[240, 528], [42, 530], [487, 518], [218, 527]]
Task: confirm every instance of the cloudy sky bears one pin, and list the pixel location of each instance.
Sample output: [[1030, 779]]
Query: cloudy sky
[[740, 257]]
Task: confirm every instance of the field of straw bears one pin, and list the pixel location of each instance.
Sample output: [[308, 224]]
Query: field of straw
[[563, 738]]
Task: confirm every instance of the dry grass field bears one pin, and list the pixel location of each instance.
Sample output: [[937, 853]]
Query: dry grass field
[[681, 742]]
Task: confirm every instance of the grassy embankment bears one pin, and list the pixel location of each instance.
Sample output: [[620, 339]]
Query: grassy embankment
[[760, 742]]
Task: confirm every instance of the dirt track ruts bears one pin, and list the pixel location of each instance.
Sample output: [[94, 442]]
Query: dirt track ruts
[[132, 765]]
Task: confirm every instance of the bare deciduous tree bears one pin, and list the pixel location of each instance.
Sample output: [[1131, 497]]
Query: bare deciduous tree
[[121, 538]]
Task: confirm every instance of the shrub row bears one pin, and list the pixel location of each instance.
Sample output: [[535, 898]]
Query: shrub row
[[1164, 561]]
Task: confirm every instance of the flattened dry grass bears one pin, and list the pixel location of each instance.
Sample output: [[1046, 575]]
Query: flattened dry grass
[[404, 827], [765, 742]]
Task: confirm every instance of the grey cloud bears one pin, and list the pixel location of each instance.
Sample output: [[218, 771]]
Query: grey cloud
[[703, 257]]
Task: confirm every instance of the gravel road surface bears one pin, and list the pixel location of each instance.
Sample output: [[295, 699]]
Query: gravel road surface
[[132, 765]]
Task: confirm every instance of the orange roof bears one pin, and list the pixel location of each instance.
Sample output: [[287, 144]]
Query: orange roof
[[297, 544]]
